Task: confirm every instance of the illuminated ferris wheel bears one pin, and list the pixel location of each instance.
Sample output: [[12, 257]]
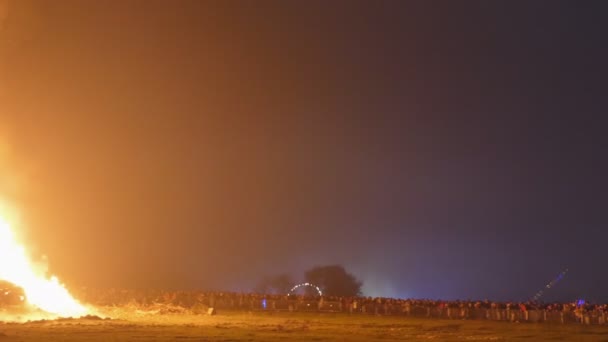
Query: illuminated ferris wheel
[[304, 286]]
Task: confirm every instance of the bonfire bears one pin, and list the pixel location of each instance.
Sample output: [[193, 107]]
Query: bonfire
[[29, 283]]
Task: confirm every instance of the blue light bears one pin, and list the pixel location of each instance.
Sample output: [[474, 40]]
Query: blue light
[[264, 303]]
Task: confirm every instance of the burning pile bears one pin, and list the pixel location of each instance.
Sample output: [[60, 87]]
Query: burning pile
[[46, 294]]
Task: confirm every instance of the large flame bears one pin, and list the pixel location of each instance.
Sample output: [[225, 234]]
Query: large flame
[[46, 294]]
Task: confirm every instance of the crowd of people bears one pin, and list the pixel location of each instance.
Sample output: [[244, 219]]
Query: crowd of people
[[198, 302]]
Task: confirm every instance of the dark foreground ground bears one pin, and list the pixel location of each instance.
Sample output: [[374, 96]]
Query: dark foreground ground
[[289, 326]]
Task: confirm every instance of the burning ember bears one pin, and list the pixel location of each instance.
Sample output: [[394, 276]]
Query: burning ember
[[46, 294]]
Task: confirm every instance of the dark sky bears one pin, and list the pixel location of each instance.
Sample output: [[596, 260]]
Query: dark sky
[[444, 149]]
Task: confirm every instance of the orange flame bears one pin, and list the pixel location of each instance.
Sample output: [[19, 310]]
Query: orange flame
[[47, 294]]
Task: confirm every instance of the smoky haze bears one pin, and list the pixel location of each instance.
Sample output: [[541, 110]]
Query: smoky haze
[[434, 150]]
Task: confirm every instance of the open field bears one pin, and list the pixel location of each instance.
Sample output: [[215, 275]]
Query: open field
[[290, 326]]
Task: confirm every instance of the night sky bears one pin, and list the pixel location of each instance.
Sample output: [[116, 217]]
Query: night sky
[[436, 149]]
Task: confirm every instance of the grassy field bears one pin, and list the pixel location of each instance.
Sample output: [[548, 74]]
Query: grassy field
[[292, 327]]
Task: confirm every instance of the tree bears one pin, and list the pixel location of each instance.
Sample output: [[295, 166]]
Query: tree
[[334, 280], [279, 284]]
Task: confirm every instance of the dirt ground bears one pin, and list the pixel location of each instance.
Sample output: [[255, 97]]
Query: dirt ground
[[139, 326]]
